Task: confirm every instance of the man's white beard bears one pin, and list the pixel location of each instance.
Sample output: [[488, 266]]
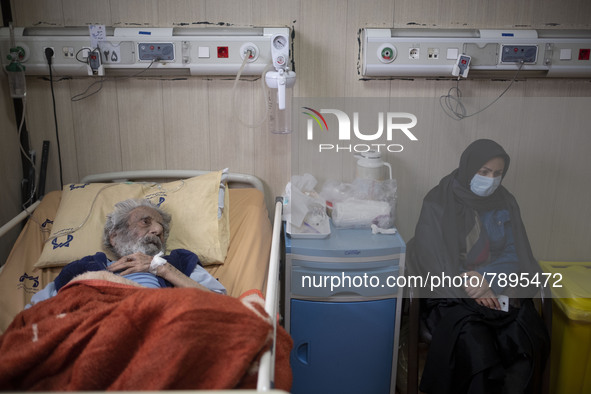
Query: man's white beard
[[149, 244]]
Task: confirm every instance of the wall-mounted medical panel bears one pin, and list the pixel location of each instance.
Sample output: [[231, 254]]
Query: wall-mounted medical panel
[[160, 51], [433, 53]]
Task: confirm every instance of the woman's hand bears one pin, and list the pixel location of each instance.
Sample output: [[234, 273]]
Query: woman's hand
[[478, 289]]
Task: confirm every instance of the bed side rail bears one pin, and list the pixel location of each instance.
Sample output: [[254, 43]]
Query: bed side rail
[[267, 365], [122, 176], [18, 218]]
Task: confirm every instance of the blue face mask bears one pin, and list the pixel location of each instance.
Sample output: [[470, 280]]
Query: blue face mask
[[484, 186]]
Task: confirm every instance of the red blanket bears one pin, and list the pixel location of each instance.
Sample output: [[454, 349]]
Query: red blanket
[[98, 335]]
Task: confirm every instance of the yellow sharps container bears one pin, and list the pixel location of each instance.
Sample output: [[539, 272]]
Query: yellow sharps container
[[570, 283]]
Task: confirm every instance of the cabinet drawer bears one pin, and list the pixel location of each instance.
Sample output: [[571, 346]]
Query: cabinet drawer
[[376, 279], [343, 347]]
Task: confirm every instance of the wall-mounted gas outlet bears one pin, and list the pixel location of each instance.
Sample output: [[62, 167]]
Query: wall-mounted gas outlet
[[251, 50], [19, 53], [387, 53]]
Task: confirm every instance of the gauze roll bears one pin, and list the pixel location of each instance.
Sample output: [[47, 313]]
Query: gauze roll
[[358, 213]]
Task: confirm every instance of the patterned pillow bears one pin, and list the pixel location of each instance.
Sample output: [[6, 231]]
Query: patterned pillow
[[198, 206]]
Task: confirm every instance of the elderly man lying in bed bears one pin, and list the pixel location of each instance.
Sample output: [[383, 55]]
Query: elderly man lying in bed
[[136, 233]]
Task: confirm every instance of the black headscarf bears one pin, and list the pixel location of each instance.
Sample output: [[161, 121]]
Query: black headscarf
[[476, 155], [449, 212]]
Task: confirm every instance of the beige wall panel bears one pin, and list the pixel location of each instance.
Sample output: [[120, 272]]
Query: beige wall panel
[[543, 148], [96, 128], [184, 13], [276, 13], [87, 12], [229, 12], [231, 143], [326, 165], [273, 161], [41, 125], [186, 124], [558, 88], [321, 57], [321, 72], [362, 15], [570, 218], [141, 124], [37, 12], [566, 14], [130, 13], [462, 14]]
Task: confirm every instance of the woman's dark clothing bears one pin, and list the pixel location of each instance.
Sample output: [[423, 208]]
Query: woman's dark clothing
[[474, 349]]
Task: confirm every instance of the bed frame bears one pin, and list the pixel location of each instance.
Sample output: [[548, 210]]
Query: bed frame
[[267, 364]]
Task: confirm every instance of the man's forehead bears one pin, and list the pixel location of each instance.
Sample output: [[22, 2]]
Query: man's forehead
[[145, 212]]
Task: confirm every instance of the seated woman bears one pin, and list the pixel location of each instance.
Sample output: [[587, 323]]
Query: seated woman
[[470, 230]]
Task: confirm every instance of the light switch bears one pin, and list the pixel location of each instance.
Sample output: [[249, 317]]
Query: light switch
[[203, 52], [566, 54], [452, 53]]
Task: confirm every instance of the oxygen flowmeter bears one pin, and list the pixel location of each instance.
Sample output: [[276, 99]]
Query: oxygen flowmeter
[[16, 72], [283, 80]]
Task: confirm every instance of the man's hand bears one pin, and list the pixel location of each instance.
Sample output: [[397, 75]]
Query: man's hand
[[483, 295], [140, 262], [133, 263]]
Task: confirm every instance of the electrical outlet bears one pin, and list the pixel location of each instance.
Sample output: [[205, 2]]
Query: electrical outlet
[[43, 52], [413, 53]]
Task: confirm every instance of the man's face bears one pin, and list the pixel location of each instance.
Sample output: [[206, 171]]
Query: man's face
[[144, 233]]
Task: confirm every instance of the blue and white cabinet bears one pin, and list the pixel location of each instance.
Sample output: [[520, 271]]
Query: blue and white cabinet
[[342, 309]]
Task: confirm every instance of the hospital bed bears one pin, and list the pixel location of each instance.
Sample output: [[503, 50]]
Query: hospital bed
[[242, 253]]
